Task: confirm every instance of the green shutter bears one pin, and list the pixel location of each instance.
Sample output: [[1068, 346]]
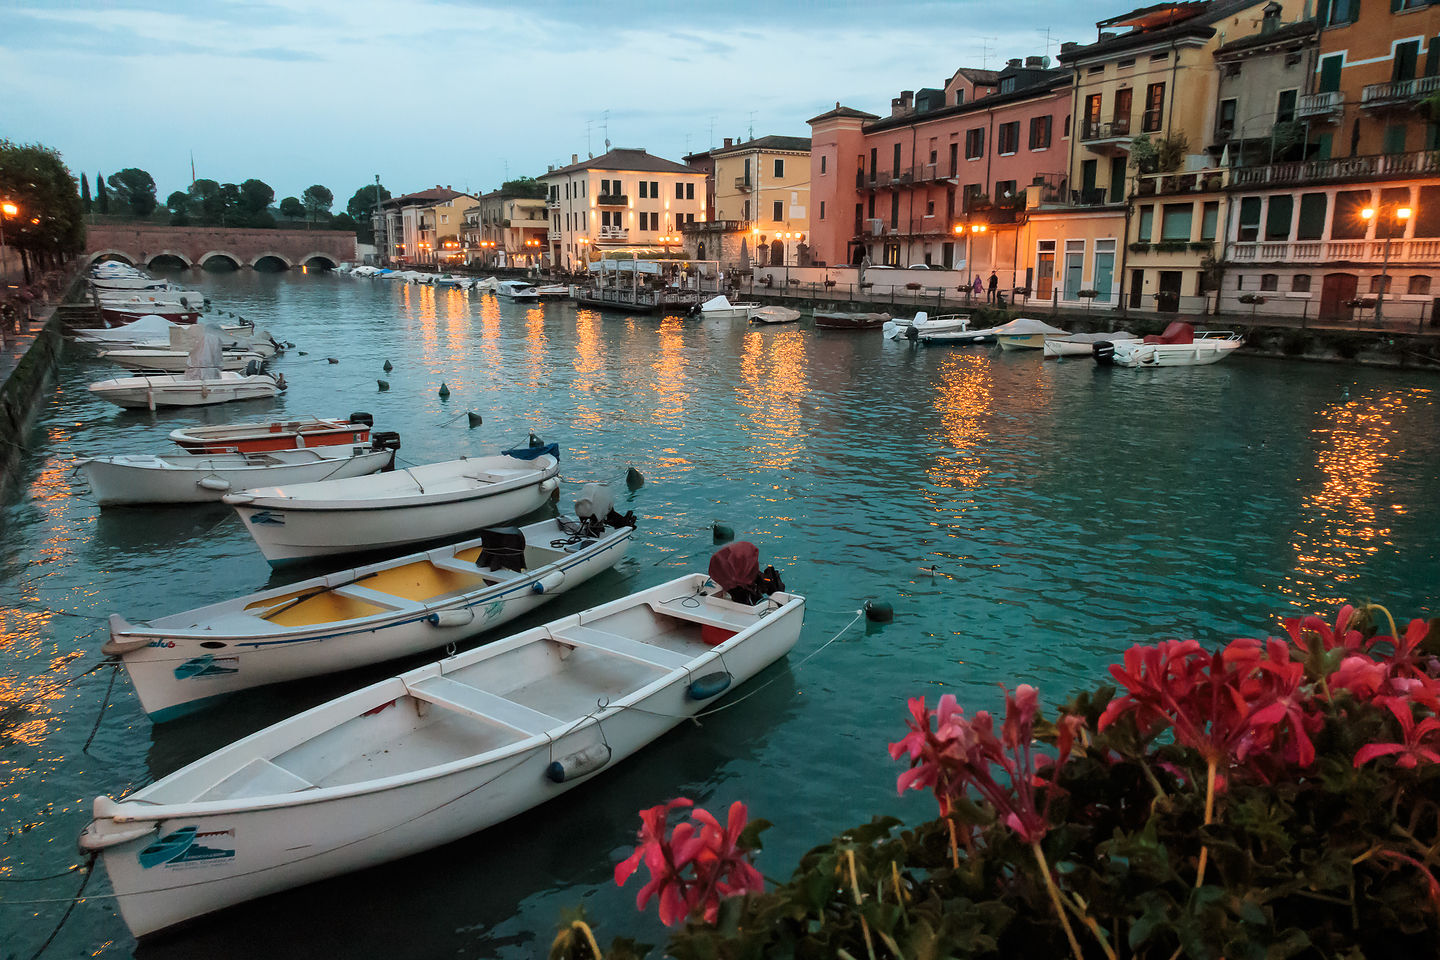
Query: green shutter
[[1397, 5], [1312, 217], [1432, 57], [1277, 217], [1330, 73], [1322, 12], [1394, 139]]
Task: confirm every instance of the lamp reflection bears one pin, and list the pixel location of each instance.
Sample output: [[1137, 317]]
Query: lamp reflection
[[670, 385], [963, 402], [772, 373]]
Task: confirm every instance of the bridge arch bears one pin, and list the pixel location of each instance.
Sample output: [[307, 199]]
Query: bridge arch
[[205, 259], [174, 254], [328, 262], [271, 255], [120, 255]]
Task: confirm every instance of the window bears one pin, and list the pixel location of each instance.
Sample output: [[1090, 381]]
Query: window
[[779, 168], [1427, 213], [975, 143], [679, 190], [1154, 117], [1067, 126], [644, 217], [1269, 281], [1102, 275], [1277, 217], [1007, 138], [1394, 141], [822, 163], [971, 191], [1209, 217], [689, 218], [690, 191], [778, 211], [1312, 217], [1300, 283], [874, 163], [1285, 106], [929, 208], [895, 165], [643, 194], [894, 210], [822, 209], [1175, 221], [1419, 286], [1095, 71], [871, 214], [655, 189], [1159, 57], [1347, 224], [1040, 132], [444, 218], [959, 97], [1092, 116], [1225, 126], [1406, 59], [1004, 190], [1144, 224], [1125, 64], [1379, 284], [892, 254], [1330, 72], [1121, 114], [954, 158], [1342, 12], [1007, 84], [1249, 220]]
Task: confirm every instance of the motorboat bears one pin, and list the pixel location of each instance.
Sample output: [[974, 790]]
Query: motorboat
[[924, 323], [387, 510], [1179, 346], [774, 315], [357, 617], [1083, 344], [130, 479], [961, 335], [835, 320], [720, 308], [136, 281], [172, 390], [517, 290], [434, 754], [274, 434], [151, 359], [487, 285], [150, 328], [1025, 333], [554, 291], [124, 313]]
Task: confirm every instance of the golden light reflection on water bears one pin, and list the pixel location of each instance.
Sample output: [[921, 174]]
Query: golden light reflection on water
[[1345, 521], [964, 402], [536, 343], [772, 383], [589, 368], [670, 385]]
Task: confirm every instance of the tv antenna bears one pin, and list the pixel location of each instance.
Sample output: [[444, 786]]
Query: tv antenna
[[1048, 40], [752, 125], [588, 148], [605, 124], [712, 131], [985, 50]]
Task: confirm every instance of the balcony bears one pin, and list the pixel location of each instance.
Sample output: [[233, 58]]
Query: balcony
[[886, 180], [1420, 252], [612, 200], [552, 204], [1321, 106], [1418, 163], [743, 184], [613, 235], [1102, 136], [1398, 94], [712, 226]]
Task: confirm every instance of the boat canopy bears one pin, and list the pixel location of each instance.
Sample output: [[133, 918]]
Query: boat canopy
[[1024, 326], [206, 355]]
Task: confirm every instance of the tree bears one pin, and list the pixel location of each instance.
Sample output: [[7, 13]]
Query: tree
[[343, 221], [85, 202], [1158, 156], [206, 204], [317, 200], [255, 196], [178, 203], [524, 187], [362, 207], [102, 196], [136, 189], [292, 209], [50, 224]]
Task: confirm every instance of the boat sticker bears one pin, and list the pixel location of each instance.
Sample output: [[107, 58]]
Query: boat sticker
[[207, 666], [493, 610], [184, 847], [268, 516]]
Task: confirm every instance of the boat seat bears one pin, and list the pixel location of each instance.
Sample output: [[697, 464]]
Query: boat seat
[[388, 600], [258, 778], [705, 615], [463, 566], [481, 704], [582, 636]]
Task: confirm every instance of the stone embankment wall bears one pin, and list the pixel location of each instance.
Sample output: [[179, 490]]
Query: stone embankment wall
[[22, 392]]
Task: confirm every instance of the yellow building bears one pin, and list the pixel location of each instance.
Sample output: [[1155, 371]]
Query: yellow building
[[764, 186]]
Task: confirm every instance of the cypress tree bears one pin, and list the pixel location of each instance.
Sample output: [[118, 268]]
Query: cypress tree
[[102, 196], [84, 193]]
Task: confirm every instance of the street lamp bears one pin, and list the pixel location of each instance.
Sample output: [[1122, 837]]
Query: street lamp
[[969, 233], [1399, 214], [7, 209]]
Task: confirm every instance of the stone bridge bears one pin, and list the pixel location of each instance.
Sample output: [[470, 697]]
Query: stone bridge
[[143, 244]]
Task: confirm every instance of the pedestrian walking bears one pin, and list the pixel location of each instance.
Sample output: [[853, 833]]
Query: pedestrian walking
[[994, 283], [977, 286]]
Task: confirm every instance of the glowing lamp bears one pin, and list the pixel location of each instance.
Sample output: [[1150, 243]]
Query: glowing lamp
[[9, 209]]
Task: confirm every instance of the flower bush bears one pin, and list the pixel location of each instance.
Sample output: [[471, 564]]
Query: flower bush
[[1276, 797]]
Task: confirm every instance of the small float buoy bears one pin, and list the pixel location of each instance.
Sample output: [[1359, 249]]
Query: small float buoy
[[710, 685], [388, 366], [384, 384], [331, 360], [723, 532], [475, 419], [303, 353], [579, 763], [634, 479], [535, 441], [930, 571], [879, 611], [444, 391]]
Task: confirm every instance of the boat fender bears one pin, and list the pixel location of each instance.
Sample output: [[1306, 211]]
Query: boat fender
[[116, 648], [579, 763], [218, 484], [722, 532], [384, 385], [551, 488], [548, 583], [879, 611], [710, 685], [474, 418], [634, 479], [451, 618], [360, 416], [444, 391]]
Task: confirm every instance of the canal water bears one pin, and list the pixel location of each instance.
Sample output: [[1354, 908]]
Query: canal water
[[1027, 520]]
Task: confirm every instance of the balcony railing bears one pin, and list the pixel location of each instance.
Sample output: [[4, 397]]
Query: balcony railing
[[743, 184], [1105, 129], [1197, 181], [712, 226], [1315, 105], [552, 204], [1336, 251], [1421, 163], [613, 234], [612, 200], [1401, 91]]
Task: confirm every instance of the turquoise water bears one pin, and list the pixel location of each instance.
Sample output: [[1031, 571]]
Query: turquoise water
[[1068, 511]]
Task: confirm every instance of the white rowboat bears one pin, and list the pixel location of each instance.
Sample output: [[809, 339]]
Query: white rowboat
[[176, 391], [355, 617], [129, 479], [160, 360], [720, 308], [435, 754], [387, 510], [1024, 333]]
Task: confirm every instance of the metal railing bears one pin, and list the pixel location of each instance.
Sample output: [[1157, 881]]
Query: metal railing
[[1105, 129], [1196, 181], [1336, 251], [1400, 90], [742, 183], [612, 200], [614, 233], [1312, 105], [1415, 163]]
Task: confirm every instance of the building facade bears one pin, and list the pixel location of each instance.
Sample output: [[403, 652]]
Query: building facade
[[410, 226], [506, 229]]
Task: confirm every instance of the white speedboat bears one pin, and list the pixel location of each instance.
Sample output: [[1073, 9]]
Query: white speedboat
[[1185, 349], [487, 285], [554, 291], [924, 323], [152, 359], [356, 617], [774, 315], [171, 390], [1083, 344], [720, 308], [1024, 333], [274, 435], [136, 281], [129, 479], [434, 754], [517, 290], [388, 510]]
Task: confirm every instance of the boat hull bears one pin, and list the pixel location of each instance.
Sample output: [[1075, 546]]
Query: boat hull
[[1022, 341], [172, 361], [122, 316], [1197, 354], [862, 321], [148, 393], [169, 863], [120, 481], [280, 435]]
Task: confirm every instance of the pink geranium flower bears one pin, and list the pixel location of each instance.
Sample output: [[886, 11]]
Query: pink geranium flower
[[690, 867], [1419, 743]]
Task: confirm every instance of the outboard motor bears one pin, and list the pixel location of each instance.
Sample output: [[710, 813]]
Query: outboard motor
[[736, 568], [1104, 353], [912, 334], [252, 368], [596, 509], [364, 418], [385, 440], [501, 548]]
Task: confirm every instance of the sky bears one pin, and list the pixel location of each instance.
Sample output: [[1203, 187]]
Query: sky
[[468, 94]]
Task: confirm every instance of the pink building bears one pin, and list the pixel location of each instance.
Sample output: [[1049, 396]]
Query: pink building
[[942, 180]]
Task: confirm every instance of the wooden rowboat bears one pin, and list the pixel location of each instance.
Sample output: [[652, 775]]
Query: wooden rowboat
[[427, 757], [355, 617], [275, 435]]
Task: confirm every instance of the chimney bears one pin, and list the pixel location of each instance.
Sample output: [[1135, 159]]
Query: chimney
[[903, 104], [729, 141], [574, 158], [1013, 64], [1034, 63], [1067, 46]]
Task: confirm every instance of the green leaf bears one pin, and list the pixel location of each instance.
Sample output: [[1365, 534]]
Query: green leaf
[[750, 836]]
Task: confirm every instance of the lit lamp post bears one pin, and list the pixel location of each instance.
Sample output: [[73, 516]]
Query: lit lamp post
[[7, 209], [1398, 214], [968, 233]]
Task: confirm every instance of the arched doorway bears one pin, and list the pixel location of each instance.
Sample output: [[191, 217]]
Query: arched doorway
[[700, 251], [777, 253]]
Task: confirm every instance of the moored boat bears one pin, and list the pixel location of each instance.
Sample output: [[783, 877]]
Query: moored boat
[[387, 510], [128, 311], [274, 435], [774, 315], [554, 291], [1025, 333], [357, 617], [151, 359], [924, 323], [720, 308], [1179, 346], [836, 320], [517, 290], [1082, 344], [171, 390]]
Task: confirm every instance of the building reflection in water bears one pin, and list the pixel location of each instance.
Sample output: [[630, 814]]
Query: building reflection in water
[[773, 382], [1344, 522]]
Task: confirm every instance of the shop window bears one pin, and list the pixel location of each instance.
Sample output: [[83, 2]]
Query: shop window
[[1300, 283]]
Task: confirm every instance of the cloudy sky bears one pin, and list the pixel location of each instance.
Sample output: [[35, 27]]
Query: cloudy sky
[[463, 93]]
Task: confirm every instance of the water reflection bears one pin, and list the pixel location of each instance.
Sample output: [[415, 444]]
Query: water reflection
[[963, 399], [773, 384]]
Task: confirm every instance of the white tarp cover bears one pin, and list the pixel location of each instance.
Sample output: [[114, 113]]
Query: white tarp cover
[[206, 354], [716, 303], [148, 329], [1097, 337], [1024, 326]]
